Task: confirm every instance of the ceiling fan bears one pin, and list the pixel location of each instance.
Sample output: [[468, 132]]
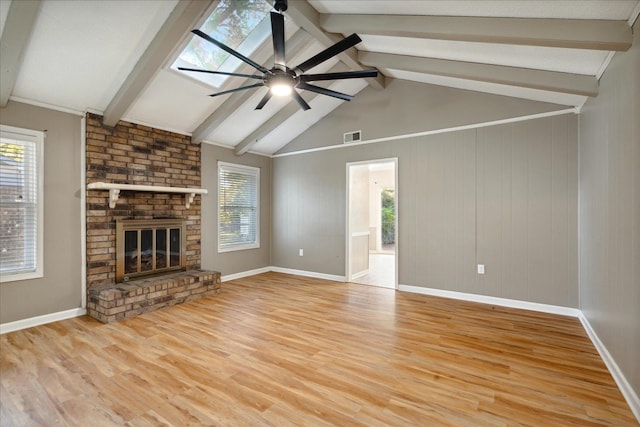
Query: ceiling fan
[[282, 80]]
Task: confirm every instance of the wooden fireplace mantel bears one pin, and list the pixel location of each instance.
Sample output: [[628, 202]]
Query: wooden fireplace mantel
[[114, 191]]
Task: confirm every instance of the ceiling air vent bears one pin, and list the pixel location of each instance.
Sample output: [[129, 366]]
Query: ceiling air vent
[[353, 136]]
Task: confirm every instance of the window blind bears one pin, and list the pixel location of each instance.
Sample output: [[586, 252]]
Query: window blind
[[238, 212], [19, 204]]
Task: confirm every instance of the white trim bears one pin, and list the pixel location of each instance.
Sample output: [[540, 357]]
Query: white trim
[[114, 191], [304, 273], [578, 212], [434, 132], [347, 224], [41, 170], [360, 234], [347, 267], [83, 211], [624, 386], [313, 274], [396, 207], [504, 302], [244, 274], [151, 188], [634, 15], [41, 320], [359, 274], [605, 64], [47, 106]]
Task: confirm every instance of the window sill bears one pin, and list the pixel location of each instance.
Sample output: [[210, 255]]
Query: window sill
[[238, 248], [8, 278]]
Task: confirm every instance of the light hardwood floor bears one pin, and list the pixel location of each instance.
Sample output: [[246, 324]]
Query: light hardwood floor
[[282, 350]]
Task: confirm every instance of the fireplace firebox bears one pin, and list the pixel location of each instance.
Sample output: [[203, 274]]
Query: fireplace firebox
[[149, 247]]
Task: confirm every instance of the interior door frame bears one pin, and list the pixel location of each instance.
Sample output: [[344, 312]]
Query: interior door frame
[[394, 160]]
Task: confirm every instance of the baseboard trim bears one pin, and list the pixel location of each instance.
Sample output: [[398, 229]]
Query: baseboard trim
[[304, 273], [504, 302], [41, 320], [359, 274], [313, 274], [243, 274], [625, 388]]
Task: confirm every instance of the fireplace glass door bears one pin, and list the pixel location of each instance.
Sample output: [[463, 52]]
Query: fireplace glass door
[[145, 247]]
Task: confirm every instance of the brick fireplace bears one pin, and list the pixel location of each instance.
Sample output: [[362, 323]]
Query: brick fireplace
[[135, 154]]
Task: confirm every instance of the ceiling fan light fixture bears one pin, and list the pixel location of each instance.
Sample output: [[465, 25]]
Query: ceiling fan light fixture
[[281, 89], [281, 84]]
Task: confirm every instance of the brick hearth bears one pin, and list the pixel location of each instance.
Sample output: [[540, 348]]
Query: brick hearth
[[110, 303]]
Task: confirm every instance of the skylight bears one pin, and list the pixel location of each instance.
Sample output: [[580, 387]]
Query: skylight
[[240, 24]]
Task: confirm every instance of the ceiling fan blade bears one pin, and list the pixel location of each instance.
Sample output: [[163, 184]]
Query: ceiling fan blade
[[224, 92], [330, 52], [248, 76], [231, 51], [339, 76], [264, 100], [301, 102], [277, 33], [323, 91]]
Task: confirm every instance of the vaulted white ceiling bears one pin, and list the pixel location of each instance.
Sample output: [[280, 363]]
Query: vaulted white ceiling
[[113, 57]]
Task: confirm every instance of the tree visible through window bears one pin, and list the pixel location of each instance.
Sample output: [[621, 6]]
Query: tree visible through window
[[388, 217], [238, 213], [20, 204]]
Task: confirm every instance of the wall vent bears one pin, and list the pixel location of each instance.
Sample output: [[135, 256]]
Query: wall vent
[[353, 136]]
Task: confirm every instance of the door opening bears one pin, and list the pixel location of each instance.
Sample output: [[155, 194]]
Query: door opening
[[372, 223]]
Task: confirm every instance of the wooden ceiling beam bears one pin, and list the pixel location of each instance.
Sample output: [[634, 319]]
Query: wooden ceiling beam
[[308, 18], [184, 17], [565, 33], [523, 77], [16, 33]]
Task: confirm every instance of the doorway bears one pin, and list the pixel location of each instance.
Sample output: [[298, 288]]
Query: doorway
[[372, 223]]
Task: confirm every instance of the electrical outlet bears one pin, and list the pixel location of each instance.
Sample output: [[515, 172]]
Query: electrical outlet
[[480, 268], [300, 252]]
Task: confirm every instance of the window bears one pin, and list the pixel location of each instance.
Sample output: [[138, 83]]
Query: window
[[238, 213], [240, 24], [21, 206]]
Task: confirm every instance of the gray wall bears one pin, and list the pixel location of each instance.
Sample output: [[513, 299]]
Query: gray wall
[[61, 287], [236, 261], [505, 196], [405, 107], [610, 211]]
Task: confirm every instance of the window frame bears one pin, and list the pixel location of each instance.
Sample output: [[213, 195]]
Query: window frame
[[251, 171], [36, 137]]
